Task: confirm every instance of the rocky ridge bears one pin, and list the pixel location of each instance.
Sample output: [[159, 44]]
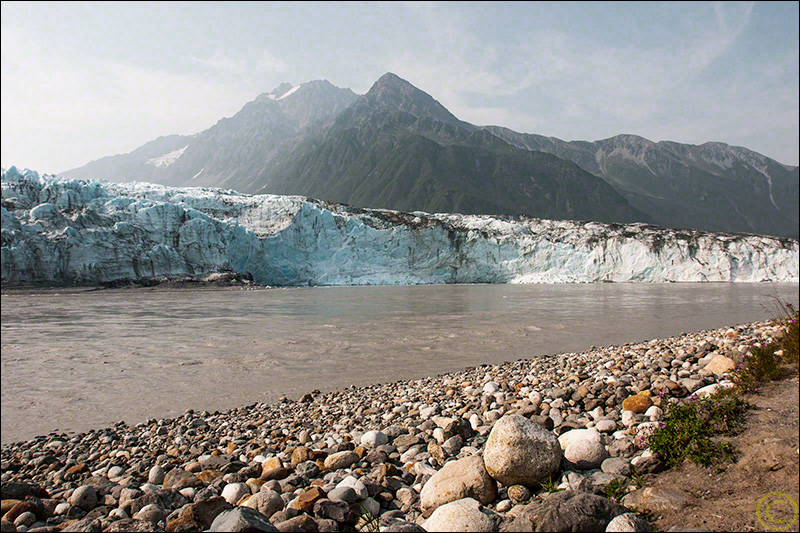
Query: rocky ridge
[[712, 186], [466, 450]]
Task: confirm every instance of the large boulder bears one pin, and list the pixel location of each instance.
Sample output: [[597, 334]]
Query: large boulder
[[638, 403], [521, 452], [658, 500], [461, 515], [583, 448], [568, 510], [233, 492], [18, 491], [84, 497], [465, 478], [720, 365], [178, 478], [374, 438], [242, 519], [339, 460], [198, 516], [266, 501]]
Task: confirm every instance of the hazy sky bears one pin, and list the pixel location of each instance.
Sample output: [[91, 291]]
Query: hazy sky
[[85, 80]]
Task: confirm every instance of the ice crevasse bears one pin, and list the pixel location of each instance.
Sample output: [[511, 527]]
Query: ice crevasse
[[57, 230]]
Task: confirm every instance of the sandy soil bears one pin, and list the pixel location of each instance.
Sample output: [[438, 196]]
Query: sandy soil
[[730, 500]]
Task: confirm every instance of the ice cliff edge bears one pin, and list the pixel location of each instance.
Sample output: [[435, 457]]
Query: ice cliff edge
[[57, 230]]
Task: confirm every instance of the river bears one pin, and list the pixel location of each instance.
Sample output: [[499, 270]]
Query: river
[[79, 359]]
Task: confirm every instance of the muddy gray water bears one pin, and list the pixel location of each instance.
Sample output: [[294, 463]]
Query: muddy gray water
[[77, 360]]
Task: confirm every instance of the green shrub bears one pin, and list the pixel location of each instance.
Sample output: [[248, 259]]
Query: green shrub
[[761, 364], [616, 489], [790, 340], [690, 425], [766, 363]]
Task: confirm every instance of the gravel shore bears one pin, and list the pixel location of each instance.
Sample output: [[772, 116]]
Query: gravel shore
[[466, 450]]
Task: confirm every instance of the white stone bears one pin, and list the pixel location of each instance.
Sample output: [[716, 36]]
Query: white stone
[[597, 413], [606, 426], [475, 421], [568, 437], [460, 515], [355, 484], [654, 413], [150, 487], [628, 418], [583, 448], [233, 492], [118, 513], [709, 390], [628, 522], [374, 438], [490, 387], [504, 506], [535, 397], [427, 412], [266, 501]]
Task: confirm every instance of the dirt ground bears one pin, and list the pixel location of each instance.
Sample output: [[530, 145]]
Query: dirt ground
[[742, 497]]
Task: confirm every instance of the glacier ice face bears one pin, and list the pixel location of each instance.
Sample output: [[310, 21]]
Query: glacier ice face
[[57, 230]]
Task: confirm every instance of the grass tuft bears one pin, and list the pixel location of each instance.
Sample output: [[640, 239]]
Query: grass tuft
[[550, 485]]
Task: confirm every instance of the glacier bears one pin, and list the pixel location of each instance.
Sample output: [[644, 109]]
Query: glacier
[[72, 231]]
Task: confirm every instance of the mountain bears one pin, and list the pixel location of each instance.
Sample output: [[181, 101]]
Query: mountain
[[398, 148], [712, 186], [146, 163], [58, 230], [234, 150], [395, 147]]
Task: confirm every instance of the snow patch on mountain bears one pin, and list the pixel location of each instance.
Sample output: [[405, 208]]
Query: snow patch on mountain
[[167, 159], [289, 92], [76, 231]]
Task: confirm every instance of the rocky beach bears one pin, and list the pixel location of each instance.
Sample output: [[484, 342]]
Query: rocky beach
[[483, 449]]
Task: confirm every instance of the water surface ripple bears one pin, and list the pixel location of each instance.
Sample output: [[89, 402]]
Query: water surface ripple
[[77, 360]]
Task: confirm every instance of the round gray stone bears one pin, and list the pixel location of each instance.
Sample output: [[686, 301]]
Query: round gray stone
[[521, 452], [84, 497]]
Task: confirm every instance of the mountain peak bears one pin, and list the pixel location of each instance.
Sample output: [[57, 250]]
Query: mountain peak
[[392, 87], [391, 78], [628, 138], [393, 91]]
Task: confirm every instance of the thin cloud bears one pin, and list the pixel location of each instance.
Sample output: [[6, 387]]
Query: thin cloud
[[118, 106], [460, 64], [248, 68]]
